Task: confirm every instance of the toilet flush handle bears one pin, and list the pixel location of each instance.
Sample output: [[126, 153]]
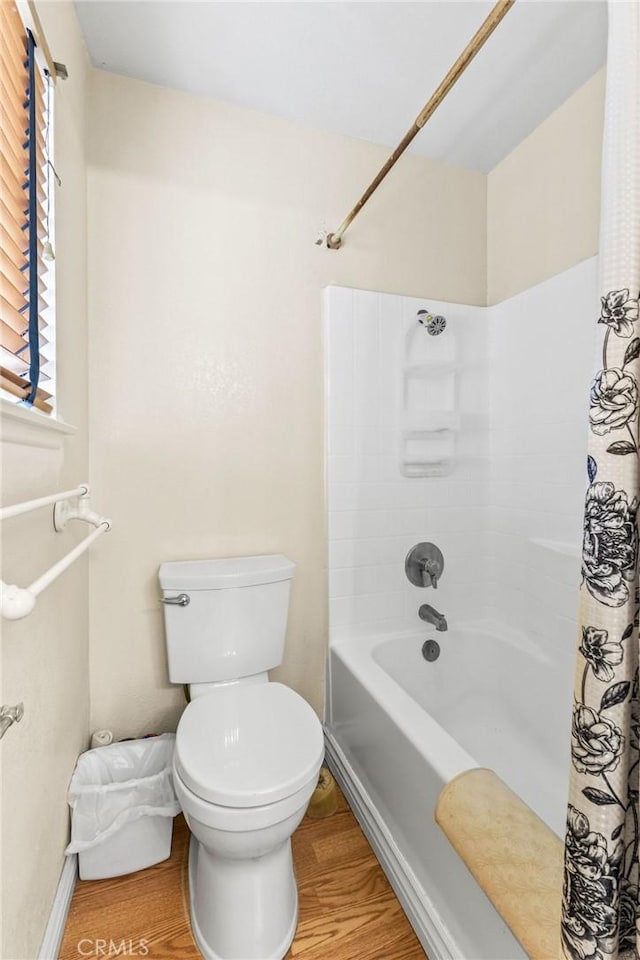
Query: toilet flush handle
[[182, 600]]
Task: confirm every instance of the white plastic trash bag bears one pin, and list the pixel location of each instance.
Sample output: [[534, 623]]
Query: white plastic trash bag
[[115, 785]]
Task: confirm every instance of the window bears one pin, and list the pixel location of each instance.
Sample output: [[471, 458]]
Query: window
[[26, 347]]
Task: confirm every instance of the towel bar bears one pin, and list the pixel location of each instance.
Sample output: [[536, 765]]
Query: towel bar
[[18, 602], [27, 505]]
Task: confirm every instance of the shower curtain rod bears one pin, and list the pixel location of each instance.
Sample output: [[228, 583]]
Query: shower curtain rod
[[334, 240]]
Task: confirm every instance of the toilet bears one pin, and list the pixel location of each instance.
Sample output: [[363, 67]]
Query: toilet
[[248, 751]]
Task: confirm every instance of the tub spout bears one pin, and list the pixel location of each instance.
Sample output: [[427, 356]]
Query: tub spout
[[431, 615]]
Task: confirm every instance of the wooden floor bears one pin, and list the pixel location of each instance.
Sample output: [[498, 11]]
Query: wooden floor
[[348, 911]]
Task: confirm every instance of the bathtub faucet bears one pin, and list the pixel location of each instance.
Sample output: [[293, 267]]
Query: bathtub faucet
[[430, 615]]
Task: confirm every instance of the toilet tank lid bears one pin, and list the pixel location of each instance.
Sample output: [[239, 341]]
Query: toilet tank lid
[[225, 573]]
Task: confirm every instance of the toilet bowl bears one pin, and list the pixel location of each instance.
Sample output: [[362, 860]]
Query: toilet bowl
[[246, 762], [248, 751]]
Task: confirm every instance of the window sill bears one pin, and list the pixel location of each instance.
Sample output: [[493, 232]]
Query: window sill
[[30, 428]]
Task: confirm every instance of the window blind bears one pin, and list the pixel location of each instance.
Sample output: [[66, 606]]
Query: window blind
[[24, 185]]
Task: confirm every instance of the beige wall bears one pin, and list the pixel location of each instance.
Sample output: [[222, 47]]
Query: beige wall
[[206, 355], [543, 200], [45, 658]]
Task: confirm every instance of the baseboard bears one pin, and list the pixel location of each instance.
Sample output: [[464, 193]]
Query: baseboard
[[421, 915], [52, 940]]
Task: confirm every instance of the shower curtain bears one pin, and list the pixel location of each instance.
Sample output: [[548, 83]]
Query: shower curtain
[[601, 898]]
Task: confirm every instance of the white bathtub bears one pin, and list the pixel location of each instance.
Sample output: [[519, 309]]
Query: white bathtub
[[399, 728]]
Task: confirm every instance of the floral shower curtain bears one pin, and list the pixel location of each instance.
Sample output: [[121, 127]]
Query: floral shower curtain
[[601, 897]]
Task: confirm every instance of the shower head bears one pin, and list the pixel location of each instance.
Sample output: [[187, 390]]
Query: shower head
[[434, 323]]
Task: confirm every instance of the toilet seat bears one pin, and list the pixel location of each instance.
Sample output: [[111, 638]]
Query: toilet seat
[[240, 819], [248, 746]]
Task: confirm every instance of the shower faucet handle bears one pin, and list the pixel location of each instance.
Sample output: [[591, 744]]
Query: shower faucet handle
[[424, 565], [431, 569]]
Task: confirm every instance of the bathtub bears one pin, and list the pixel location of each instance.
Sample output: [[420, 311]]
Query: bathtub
[[399, 728]]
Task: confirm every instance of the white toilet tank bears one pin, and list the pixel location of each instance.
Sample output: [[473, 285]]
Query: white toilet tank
[[235, 620]]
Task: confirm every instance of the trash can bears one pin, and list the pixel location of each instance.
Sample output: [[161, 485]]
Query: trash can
[[122, 807]]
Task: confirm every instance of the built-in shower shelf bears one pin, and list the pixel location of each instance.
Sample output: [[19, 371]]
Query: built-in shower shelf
[[425, 370], [429, 420], [433, 421], [558, 546]]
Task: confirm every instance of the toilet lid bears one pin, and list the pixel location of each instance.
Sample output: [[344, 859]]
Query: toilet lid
[[246, 746]]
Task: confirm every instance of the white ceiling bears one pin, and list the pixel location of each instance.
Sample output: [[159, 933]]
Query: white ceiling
[[362, 69]]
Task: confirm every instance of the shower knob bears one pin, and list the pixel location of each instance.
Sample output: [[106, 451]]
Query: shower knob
[[424, 565]]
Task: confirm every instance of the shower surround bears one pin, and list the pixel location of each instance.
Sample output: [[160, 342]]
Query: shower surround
[[509, 381], [376, 514]]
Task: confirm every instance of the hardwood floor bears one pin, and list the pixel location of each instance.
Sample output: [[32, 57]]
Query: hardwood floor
[[348, 911]]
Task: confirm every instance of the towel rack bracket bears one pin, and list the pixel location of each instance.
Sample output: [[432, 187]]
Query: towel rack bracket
[[18, 602], [63, 512]]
